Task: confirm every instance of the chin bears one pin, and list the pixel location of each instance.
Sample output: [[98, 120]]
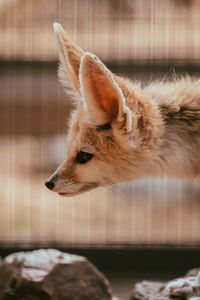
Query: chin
[[84, 188]]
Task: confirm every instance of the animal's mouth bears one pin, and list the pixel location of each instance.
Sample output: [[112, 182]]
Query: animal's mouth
[[84, 188]]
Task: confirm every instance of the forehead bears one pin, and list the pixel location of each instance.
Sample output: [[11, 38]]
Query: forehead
[[83, 133], [81, 127]]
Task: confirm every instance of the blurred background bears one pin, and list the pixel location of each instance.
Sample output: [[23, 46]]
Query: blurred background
[[141, 39]]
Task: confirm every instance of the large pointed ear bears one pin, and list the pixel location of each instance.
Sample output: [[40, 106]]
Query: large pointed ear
[[103, 97], [70, 58]]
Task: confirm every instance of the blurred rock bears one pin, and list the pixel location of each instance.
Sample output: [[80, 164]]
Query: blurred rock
[[51, 275], [184, 288], [146, 290], [193, 272]]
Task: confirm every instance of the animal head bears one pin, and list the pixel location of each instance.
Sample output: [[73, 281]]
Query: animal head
[[114, 129]]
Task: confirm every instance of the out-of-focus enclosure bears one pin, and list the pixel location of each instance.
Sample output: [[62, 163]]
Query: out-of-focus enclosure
[[140, 39]]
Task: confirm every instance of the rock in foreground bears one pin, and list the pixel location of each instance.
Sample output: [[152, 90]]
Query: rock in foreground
[[51, 275], [184, 288]]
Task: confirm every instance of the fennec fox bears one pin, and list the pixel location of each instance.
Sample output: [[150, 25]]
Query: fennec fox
[[121, 132]]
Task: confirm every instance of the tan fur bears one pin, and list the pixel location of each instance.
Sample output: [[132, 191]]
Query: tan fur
[[132, 133]]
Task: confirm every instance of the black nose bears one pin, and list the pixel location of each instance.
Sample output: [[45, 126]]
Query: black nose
[[49, 184]]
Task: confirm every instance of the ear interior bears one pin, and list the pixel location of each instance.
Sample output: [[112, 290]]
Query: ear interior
[[104, 94], [99, 88]]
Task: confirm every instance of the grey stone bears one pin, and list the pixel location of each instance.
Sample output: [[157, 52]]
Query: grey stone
[[145, 290], [51, 275], [193, 272], [183, 288]]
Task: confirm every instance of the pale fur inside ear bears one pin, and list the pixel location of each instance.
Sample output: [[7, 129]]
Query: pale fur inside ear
[[104, 98], [67, 83], [70, 57]]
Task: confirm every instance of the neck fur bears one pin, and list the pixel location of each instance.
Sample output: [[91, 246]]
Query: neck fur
[[179, 106]]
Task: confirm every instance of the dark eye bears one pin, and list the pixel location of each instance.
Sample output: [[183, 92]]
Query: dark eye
[[83, 157]]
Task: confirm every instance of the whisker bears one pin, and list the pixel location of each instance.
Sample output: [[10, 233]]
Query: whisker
[[113, 187]]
